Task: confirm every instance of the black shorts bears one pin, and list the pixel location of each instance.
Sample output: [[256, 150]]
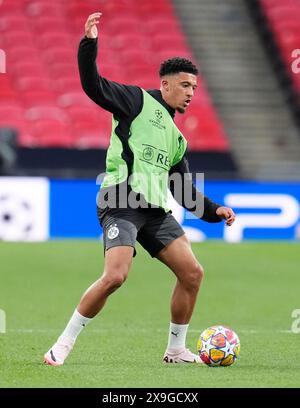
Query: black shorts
[[152, 228]]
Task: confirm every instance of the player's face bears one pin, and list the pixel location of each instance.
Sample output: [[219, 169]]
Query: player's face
[[178, 90]]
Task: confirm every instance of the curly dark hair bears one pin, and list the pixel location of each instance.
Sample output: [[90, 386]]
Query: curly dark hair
[[176, 65]]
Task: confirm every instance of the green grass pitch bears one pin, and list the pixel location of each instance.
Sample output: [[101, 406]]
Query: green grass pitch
[[251, 287]]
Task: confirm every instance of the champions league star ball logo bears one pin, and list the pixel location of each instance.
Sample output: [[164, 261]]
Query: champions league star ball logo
[[16, 218], [158, 114]]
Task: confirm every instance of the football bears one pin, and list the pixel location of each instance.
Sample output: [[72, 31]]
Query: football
[[218, 346]]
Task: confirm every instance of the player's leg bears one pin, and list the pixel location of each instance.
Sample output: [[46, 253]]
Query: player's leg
[[178, 256], [164, 238], [117, 264], [119, 237]]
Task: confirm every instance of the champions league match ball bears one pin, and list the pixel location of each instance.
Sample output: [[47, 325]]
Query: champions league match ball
[[218, 346]]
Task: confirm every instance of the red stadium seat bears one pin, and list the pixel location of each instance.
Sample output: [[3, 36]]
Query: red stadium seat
[[93, 135], [57, 40], [12, 7], [6, 88], [141, 71], [33, 82], [10, 112], [136, 58], [121, 24], [120, 7], [27, 68], [16, 38], [79, 113], [161, 25], [46, 112], [162, 42], [49, 24], [74, 98], [24, 54], [67, 84], [130, 41], [41, 41], [80, 9], [145, 83], [37, 98], [202, 129], [63, 69], [50, 133], [163, 55], [9, 22], [150, 8], [284, 20], [61, 54], [37, 9], [271, 4]]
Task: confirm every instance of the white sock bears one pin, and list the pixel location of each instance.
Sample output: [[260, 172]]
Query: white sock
[[177, 336], [74, 327]]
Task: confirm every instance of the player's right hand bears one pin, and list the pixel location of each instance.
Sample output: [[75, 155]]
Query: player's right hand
[[90, 25]]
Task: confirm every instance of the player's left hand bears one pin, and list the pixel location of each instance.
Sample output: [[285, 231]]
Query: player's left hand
[[227, 214]]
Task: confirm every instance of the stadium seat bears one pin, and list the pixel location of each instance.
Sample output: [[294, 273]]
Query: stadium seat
[[161, 25], [163, 55], [49, 24], [284, 21], [56, 40], [135, 57], [129, 41], [38, 8], [171, 41], [27, 68], [67, 84], [151, 8], [7, 91], [202, 129], [24, 54], [46, 112], [74, 98], [41, 40], [271, 4], [123, 24], [88, 134], [79, 113], [80, 9], [10, 112], [40, 83], [13, 21], [16, 38], [11, 7], [50, 133], [62, 69], [62, 54], [37, 98], [142, 71]]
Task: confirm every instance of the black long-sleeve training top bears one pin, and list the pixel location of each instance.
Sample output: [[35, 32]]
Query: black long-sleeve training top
[[125, 102]]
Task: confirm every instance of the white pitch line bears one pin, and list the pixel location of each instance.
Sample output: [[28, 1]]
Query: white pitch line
[[102, 330]]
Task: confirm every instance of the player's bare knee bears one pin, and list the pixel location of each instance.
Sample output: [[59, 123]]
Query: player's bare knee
[[115, 276], [194, 276]]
